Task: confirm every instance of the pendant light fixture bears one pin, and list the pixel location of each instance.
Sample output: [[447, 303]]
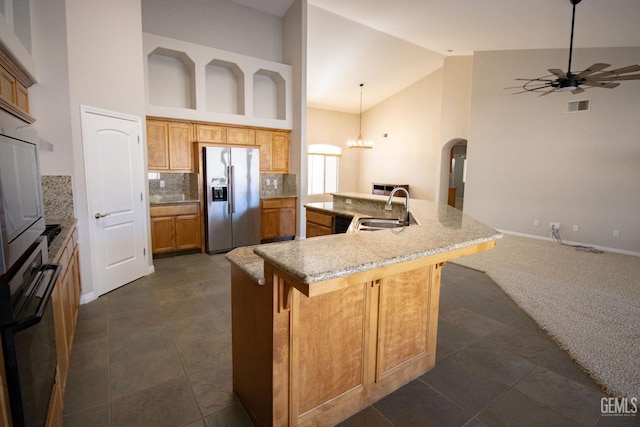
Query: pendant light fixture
[[360, 142]]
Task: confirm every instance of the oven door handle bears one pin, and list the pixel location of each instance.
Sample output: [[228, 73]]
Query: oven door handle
[[50, 273]]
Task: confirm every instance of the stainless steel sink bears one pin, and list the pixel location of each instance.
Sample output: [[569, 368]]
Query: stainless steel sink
[[372, 224]]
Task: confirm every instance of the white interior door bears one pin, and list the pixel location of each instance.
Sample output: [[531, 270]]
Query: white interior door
[[114, 169]]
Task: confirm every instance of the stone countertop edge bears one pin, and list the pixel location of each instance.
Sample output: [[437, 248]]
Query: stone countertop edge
[[278, 196], [174, 202], [55, 251], [245, 258], [441, 229]]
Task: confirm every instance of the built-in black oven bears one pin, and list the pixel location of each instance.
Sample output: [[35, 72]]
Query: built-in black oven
[[28, 335]]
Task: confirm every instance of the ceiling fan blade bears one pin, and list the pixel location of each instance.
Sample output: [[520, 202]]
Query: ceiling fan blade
[[606, 85], [593, 69], [627, 77], [558, 73], [624, 70]]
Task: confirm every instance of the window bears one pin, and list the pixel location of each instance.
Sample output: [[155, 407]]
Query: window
[[323, 167]]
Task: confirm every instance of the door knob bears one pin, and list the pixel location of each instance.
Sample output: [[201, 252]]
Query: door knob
[[99, 215]]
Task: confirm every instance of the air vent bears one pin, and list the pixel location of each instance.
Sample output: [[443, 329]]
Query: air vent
[[575, 106]]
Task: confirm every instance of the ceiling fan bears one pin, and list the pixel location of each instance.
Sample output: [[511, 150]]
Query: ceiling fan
[[594, 76]]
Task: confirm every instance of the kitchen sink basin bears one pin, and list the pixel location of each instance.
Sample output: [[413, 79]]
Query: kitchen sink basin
[[372, 224]]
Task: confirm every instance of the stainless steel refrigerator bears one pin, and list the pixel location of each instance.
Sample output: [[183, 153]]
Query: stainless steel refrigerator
[[232, 196]]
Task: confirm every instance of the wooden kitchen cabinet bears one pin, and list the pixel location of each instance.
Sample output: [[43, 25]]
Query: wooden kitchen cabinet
[[314, 359], [66, 301], [170, 146], [244, 136], [274, 150], [175, 228], [277, 219], [210, 133], [319, 223]]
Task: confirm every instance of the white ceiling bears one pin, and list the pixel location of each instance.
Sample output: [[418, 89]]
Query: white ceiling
[[388, 45]]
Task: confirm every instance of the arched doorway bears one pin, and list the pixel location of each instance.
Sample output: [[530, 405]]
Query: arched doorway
[[453, 172]]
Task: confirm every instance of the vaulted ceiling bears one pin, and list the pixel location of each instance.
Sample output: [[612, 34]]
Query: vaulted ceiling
[[388, 45]]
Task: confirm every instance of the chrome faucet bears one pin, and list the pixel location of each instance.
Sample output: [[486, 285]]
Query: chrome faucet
[[406, 201]]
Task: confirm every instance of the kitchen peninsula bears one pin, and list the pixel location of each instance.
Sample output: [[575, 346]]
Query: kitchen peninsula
[[324, 327]]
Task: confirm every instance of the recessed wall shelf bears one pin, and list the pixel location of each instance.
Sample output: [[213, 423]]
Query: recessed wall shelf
[[196, 82]]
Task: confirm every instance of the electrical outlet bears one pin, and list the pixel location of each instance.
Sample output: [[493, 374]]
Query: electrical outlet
[[576, 228], [162, 183], [348, 201], [536, 222], [616, 233], [554, 225]]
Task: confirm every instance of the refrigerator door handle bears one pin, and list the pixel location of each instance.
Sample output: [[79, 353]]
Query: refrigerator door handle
[[231, 196]]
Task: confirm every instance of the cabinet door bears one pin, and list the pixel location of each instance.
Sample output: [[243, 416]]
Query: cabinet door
[[157, 145], [163, 234], [180, 147], [269, 224], [287, 222], [210, 133], [263, 140], [54, 417], [62, 351], [241, 136], [187, 232], [280, 152]]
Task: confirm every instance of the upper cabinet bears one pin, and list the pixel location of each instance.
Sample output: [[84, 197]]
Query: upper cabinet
[[17, 65], [274, 151], [170, 146], [14, 84]]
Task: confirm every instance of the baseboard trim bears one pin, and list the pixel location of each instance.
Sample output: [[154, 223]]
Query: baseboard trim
[[87, 298], [568, 242]]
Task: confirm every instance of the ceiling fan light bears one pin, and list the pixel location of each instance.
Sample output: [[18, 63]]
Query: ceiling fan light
[[567, 88]]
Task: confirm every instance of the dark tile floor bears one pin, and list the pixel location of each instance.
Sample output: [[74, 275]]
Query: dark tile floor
[[157, 352]]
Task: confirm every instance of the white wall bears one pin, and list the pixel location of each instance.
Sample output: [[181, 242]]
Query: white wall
[[410, 153], [529, 159], [216, 23], [456, 105], [49, 97], [105, 71], [335, 128]]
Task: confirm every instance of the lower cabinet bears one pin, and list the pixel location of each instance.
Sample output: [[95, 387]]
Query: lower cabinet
[[319, 223], [65, 301], [278, 219], [175, 228]]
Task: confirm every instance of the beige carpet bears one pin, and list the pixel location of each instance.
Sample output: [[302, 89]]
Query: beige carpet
[[589, 303]]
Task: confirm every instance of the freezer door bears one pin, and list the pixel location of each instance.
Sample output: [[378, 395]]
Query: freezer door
[[217, 167], [245, 196]]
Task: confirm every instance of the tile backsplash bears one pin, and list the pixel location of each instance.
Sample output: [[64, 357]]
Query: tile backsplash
[[57, 197], [168, 187], [278, 185]]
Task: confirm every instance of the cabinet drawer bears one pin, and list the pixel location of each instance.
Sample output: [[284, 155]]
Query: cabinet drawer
[[279, 203], [185, 209], [320, 218]]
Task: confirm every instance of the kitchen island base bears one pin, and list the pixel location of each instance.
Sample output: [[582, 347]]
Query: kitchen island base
[[317, 354]]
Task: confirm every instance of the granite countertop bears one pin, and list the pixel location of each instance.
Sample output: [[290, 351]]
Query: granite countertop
[[440, 229], [55, 250]]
